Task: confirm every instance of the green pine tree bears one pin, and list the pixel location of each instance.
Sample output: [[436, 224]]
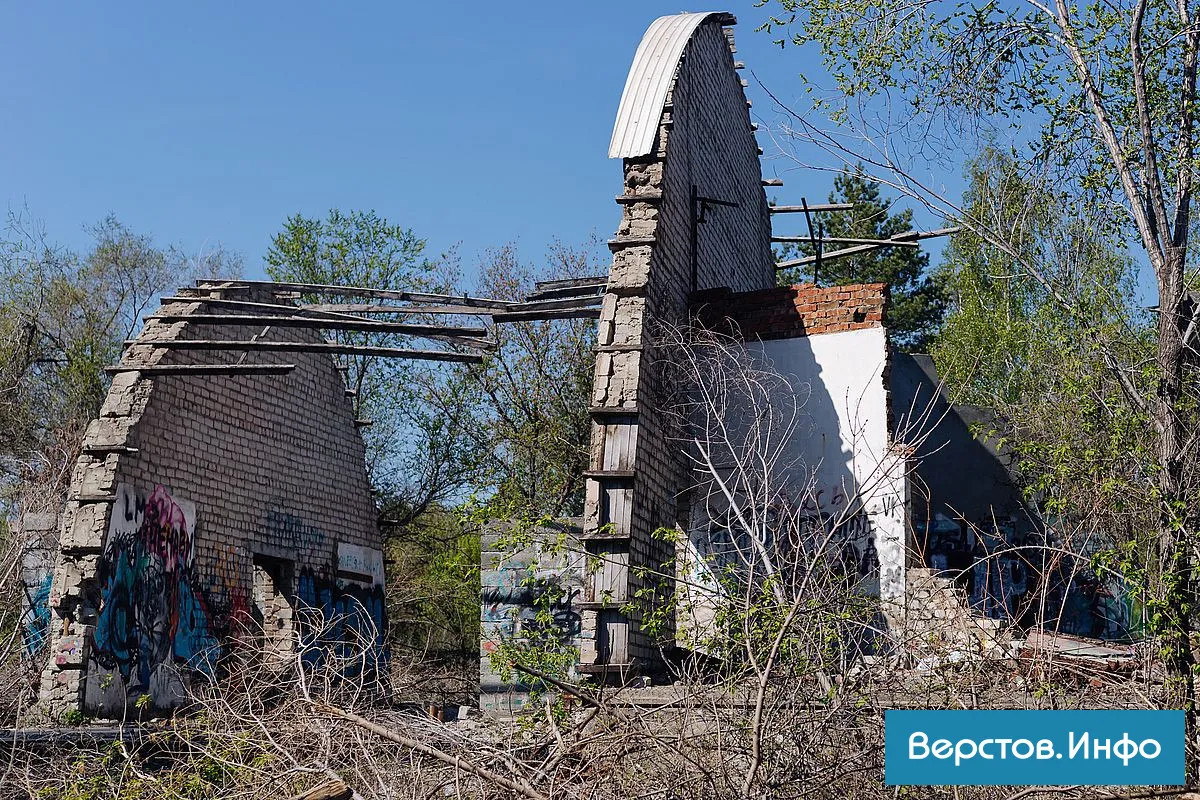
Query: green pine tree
[[918, 296]]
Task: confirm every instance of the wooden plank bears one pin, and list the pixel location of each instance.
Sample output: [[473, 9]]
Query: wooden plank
[[612, 645], [817, 207], [385, 294], [569, 283], [613, 447], [843, 240], [369, 308], [308, 347], [374, 308], [545, 316], [332, 310], [610, 581], [902, 238], [630, 241], [608, 411], [586, 290], [620, 445], [340, 324], [648, 197], [553, 305], [246, 304], [203, 369]]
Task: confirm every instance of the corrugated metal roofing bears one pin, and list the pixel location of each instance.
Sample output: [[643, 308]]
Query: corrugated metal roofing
[[649, 80]]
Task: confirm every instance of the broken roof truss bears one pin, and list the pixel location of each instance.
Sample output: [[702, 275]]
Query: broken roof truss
[[575, 298]]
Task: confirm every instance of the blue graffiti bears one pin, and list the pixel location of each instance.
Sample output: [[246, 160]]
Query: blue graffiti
[[195, 644], [36, 630], [344, 622], [151, 614]]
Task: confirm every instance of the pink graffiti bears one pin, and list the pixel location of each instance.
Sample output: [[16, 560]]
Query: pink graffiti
[[164, 531]]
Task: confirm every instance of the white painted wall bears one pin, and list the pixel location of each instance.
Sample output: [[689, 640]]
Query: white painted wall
[[839, 467], [844, 439]]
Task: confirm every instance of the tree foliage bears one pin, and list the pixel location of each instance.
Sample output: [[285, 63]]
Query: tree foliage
[[506, 437], [361, 248], [1102, 97], [63, 318], [1084, 453], [522, 412]]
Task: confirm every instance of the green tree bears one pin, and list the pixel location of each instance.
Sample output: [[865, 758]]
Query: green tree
[[409, 451], [918, 300], [508, 436], [1082, 451], [63, 318], [513, 431], [530, 431], [993, 341]]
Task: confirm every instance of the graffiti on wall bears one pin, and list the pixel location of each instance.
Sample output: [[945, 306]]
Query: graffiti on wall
[[35, 616], [36, 574], [341, 614], [37, 531], [162, 613], [864, 535], [516, 600], [153, 616], [532, 595], [998, 569], [360, 564], [859, 539], [343, 623]]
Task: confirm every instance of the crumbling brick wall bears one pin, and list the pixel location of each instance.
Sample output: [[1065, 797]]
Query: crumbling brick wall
[[529, 596], [188, 485], [939, 623], [786, 312], [704, 148]]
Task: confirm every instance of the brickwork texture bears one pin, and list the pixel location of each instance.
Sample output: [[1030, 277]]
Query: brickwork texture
[[705, 151], [187, 485]]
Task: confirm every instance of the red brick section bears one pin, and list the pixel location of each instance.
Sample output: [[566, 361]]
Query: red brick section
[[787, 312]]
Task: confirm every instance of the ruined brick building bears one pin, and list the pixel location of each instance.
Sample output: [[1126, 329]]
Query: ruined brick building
[[224, 505], [209, 500], [684, 136], [895, 457]]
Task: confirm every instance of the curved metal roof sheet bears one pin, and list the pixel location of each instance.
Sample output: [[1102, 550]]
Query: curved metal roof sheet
[[649, 80]]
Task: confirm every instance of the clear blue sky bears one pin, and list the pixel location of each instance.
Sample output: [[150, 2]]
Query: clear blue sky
[[473, 124]]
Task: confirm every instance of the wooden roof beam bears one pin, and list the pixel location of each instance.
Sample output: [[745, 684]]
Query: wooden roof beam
[[346, 323], [203, 369], [383, 294], [308, 347], [900, 239]]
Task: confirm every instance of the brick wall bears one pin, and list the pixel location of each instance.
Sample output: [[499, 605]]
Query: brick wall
[[519, 588], [705, 148], [186, 482], [785, 312]]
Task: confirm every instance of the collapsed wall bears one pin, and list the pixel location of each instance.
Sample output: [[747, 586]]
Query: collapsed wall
[[695, 216], [973, 525], [204, 513], [529, 597]]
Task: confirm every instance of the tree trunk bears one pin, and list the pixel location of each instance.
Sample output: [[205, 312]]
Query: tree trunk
[[330, 790], [1177, 560]]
